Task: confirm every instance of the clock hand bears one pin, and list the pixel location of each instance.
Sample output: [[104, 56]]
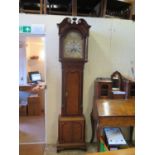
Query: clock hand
[[73, 50]]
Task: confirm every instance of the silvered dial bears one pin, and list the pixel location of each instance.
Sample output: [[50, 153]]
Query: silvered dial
[[73, 45]]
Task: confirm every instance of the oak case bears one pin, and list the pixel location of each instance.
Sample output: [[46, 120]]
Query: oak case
[[73, 53]]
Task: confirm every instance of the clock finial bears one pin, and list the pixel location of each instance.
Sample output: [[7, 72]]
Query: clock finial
[[74, 19]]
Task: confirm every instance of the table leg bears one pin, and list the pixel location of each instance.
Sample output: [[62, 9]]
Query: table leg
[[131, 133], [93, 125], [99, 135]]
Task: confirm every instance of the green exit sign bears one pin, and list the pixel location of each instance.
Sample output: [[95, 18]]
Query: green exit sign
[[25, 29], [38, 29]]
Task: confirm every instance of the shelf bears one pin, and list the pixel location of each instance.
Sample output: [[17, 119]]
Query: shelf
[[34, 57]]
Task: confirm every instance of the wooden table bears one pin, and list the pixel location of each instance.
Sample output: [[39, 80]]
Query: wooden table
[[130, 151], [26, 87], [113, 113]]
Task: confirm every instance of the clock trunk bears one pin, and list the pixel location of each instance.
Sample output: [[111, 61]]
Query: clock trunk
[[72, 89]]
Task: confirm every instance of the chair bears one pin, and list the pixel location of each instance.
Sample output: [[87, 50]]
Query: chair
[[119, 86], [23, 103]]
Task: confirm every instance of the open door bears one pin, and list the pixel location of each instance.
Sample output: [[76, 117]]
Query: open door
[[31, 93]]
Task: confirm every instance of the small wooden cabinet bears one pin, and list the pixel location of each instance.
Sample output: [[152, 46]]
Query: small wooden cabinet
[[102, 88]]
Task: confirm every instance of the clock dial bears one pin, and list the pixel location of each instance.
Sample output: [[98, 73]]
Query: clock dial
[[73, 45]]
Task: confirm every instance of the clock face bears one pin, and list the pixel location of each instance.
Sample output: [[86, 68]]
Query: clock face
[[73, 45]]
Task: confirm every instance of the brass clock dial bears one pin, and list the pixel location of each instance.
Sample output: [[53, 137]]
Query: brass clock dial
[[73, 45]]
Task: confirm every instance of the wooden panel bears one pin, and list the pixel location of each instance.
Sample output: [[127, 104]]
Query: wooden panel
[[119, 121], [74, 7], [71, 146], [71, 130], [71, 118], [65, 129], [27, 88], [72, 79], [23, 108], [118, 96], [103, 8], [78, 135], [34, 105], [73, 92], [116, 107]]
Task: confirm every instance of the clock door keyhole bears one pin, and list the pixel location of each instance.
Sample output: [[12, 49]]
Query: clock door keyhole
[[66, 93]]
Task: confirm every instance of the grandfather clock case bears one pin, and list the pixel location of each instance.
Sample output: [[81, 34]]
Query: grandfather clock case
[[73, 54]]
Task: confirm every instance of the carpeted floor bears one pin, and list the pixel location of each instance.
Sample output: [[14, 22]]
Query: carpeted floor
[[31, 129]]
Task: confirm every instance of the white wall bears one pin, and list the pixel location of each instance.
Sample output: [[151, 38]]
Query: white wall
[[22, 61], [111, 47], [35, 48]]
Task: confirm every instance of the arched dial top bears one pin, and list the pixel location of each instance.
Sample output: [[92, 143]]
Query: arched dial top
[[73, 45]]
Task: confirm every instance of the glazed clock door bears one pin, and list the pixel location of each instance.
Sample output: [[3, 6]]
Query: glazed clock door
[[72, 103]]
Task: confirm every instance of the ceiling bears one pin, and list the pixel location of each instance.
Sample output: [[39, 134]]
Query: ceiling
[[82, 7]]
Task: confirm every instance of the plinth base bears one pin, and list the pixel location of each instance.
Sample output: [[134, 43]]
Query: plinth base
[[71, 133], [69, 146]]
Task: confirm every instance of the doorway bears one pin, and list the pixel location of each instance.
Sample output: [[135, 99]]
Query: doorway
[[32, 93]]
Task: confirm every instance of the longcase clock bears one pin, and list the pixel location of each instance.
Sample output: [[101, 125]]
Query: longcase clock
[[73, 53]]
